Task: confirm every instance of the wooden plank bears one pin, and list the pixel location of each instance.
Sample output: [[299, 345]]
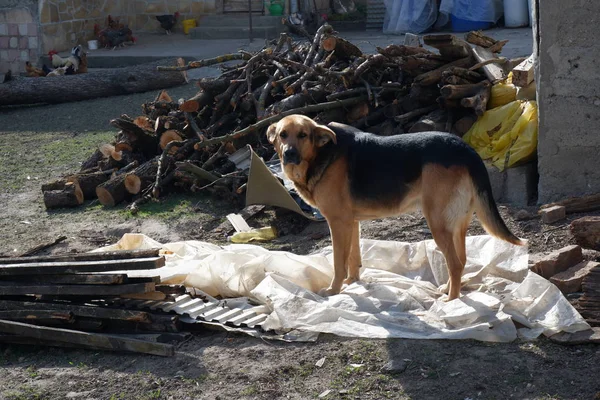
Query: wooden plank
[[86, 339], [39, 314], [96, 256], [73, 267], [492, 71], [523, 74], [13, 289], [91, 279], [155, 295], [79, 311]]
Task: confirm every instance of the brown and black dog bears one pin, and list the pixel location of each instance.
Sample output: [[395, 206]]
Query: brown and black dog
[[351, 176]]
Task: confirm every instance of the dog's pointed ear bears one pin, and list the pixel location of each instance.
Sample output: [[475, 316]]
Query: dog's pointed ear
[[271, 133], [324, 135]]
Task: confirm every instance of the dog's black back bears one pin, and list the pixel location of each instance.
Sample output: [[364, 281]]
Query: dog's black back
[[383, 168]]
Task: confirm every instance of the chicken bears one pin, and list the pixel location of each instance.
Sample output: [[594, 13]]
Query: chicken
[[167, 22], [58, 71], [114, 37], [32, 71], [70, 65]]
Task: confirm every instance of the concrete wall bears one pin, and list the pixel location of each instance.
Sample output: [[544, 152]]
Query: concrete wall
[[19, 40], [568, 85], [66, 23]]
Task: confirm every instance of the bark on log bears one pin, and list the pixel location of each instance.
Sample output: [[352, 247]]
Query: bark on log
[[395, 50], [89, 182], [434, 121], [578, 204], [141, 177], [69, 196], [586, 231], [479, 101], [342, 47], [109, 82], [112, 192], [432, 77]]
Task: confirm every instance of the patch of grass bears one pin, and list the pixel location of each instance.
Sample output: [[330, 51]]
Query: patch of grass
[[32, 371], [25, 392], [171, 207], [250, 390]]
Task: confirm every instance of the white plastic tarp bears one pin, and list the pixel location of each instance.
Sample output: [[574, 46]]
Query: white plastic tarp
[[398, 295]]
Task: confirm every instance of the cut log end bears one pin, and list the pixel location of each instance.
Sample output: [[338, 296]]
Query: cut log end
[[169, 136], [69, 196], [104, 196], [133, 184]]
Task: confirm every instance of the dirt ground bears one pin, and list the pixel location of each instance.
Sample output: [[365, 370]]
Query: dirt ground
[[40, 143]]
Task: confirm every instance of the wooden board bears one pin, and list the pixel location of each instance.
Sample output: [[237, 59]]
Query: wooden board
[[96, 256], [73, 267], [79, 310], [90, 279], [15, 289], [86, 339], [492, 71], [523, 74]]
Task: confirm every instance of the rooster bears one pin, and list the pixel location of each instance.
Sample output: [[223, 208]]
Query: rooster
[[167, 22], [32, 71], [114, 37], [70, 64]]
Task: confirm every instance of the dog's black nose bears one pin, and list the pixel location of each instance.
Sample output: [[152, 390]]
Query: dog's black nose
[[291, 156]]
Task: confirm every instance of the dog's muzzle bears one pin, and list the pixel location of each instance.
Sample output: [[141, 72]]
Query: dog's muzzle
[[291, 156]]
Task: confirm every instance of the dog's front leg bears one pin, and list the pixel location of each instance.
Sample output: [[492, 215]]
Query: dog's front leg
[[341, 237], [354, 258]]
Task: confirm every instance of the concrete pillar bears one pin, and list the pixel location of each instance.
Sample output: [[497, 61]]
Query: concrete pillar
[[567, 42]]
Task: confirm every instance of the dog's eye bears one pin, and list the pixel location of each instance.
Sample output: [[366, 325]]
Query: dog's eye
[[301, 135], [283, 134]]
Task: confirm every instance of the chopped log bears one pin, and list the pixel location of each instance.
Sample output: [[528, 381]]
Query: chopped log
[[92, 162], [86, 339], [578, 204], [89, 182], [58, 184], [141, 177], [73, 267], [462, 91], [94, 84], [448, 45], [196, 170], [479, 101], [424, 94], [478, 38], [16, 289], [432, 77], [523, 74], [197, 102], [112, 192], [406, 117], [168, 137], [395, 50], [493, 72], [144, 123], [465, 73], [144, 141], [434, 121], [463, 125], [69, 196], [213, 86], [586, 231], [94, 256], [342, 47]]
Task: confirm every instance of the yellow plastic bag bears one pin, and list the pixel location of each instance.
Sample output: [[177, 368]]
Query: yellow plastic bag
[[502, 93], [507, 134]]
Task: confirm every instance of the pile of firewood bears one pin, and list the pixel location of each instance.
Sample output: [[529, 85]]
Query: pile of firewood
[[186, 144]]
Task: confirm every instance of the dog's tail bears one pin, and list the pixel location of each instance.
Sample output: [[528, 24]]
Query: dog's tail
[[486, 208]]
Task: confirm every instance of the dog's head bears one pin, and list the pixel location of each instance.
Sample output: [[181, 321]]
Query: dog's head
[[297, 138]]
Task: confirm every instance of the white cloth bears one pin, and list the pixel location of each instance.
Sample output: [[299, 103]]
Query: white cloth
[[398, 294]]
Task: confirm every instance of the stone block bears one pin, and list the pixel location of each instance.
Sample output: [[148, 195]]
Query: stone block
[[13, 55], [569, 281], [4, 55], [32, 42], [516, 186], [553, 214], [22, 29], [24, 55], [3, 29], [18, 15], [4, 42], [557, 261], [13, 29], [13, 43], [23, 42], [49, 13], [32, 29]]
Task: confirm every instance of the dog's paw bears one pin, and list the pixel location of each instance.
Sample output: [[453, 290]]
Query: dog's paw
[[350, 280], [328, 292]]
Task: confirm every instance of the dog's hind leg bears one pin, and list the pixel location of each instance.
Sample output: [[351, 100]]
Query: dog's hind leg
[[354, 259]]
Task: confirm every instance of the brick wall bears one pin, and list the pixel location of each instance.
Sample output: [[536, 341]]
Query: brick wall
[[18, 39]]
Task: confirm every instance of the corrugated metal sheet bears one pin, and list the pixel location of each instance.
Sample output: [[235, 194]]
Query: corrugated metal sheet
[[375, 14], [211, 310]]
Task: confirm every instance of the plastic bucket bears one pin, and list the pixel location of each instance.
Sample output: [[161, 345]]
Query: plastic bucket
[[516, 13], [92, 44], [188, 24]]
